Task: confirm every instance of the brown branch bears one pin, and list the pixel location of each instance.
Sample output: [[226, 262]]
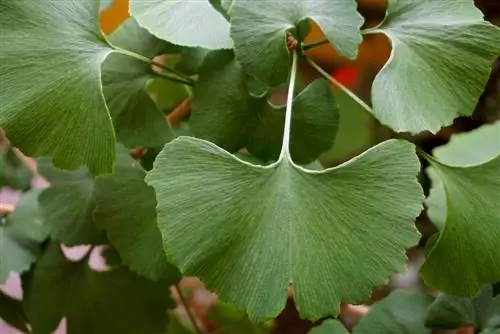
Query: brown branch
[[179, 113]]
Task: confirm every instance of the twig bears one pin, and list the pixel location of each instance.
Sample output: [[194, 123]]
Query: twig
[[179, 113], [311, 45], [188, 309]]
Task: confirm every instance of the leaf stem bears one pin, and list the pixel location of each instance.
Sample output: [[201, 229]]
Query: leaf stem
[[285, 147], [311, 45], [339, 85], [173, 74], [188, 310]]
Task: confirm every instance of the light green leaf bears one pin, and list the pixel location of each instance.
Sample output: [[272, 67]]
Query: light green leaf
[[105, 4], [50, 69], [67, 206], [329, 326], [259, 30], [441, 50], [232, 118], [137, 119], [192, 23], [125, 208], [400, 312], [451, 312], [323, 232], [115, 301], [11, 312], [21, 234], [463, 258]]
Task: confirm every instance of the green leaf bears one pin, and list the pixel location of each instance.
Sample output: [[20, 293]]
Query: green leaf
[[67, 206], [441, 50], [137, 119], [105, 4], [232, 118], [50, 69], [192, 23], [191, 60], [463, 258], [125, 209], [115, 301], [259, 31], [11, 312], [400, 312], [329, 326], [462, 150], [231, 320], [249, 231], [21, 234], [450, 312], [176, 327]]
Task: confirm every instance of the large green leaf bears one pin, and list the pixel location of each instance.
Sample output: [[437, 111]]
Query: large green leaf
[[440, 63], [11, 312], [50, 69], [232, 118], [450, 312], [259, 30], [21, 234], [125, 208], [329, 326], [68, 205], [464, 257], [192, 23], [137, 119], [115, 301], [249, 231], [400, 312]]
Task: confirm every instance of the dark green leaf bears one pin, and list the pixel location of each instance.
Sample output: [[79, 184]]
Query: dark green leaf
[[259, 30], [21, 234], [11, 312], [441, 60], [50, 69], [115, 301], [329, 326], [400, 312], [137, 119], [126, 209], [231, 320]]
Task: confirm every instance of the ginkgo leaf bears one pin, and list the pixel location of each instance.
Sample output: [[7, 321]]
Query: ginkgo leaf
[[400, 312], [91, 300], [21, 234], [137, 119], [442, 50], [451, 312], [464, 257], [11, 312], [50, 69], [67, 206], [125, 208], [232, 118], [329, 326], [250, 231], [259, 31], [192, 23], [462, 149], [105, 4]]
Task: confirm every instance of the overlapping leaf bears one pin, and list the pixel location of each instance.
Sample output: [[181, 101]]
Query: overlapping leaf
[[400, 312], [464, 257], [137, 119], [21, 234], [441, 50], [90, 300], [451, 312], [11, 312], [329, 326], [125, 208], [192, 23], [50, 68], [225, 113], [259, 29]]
